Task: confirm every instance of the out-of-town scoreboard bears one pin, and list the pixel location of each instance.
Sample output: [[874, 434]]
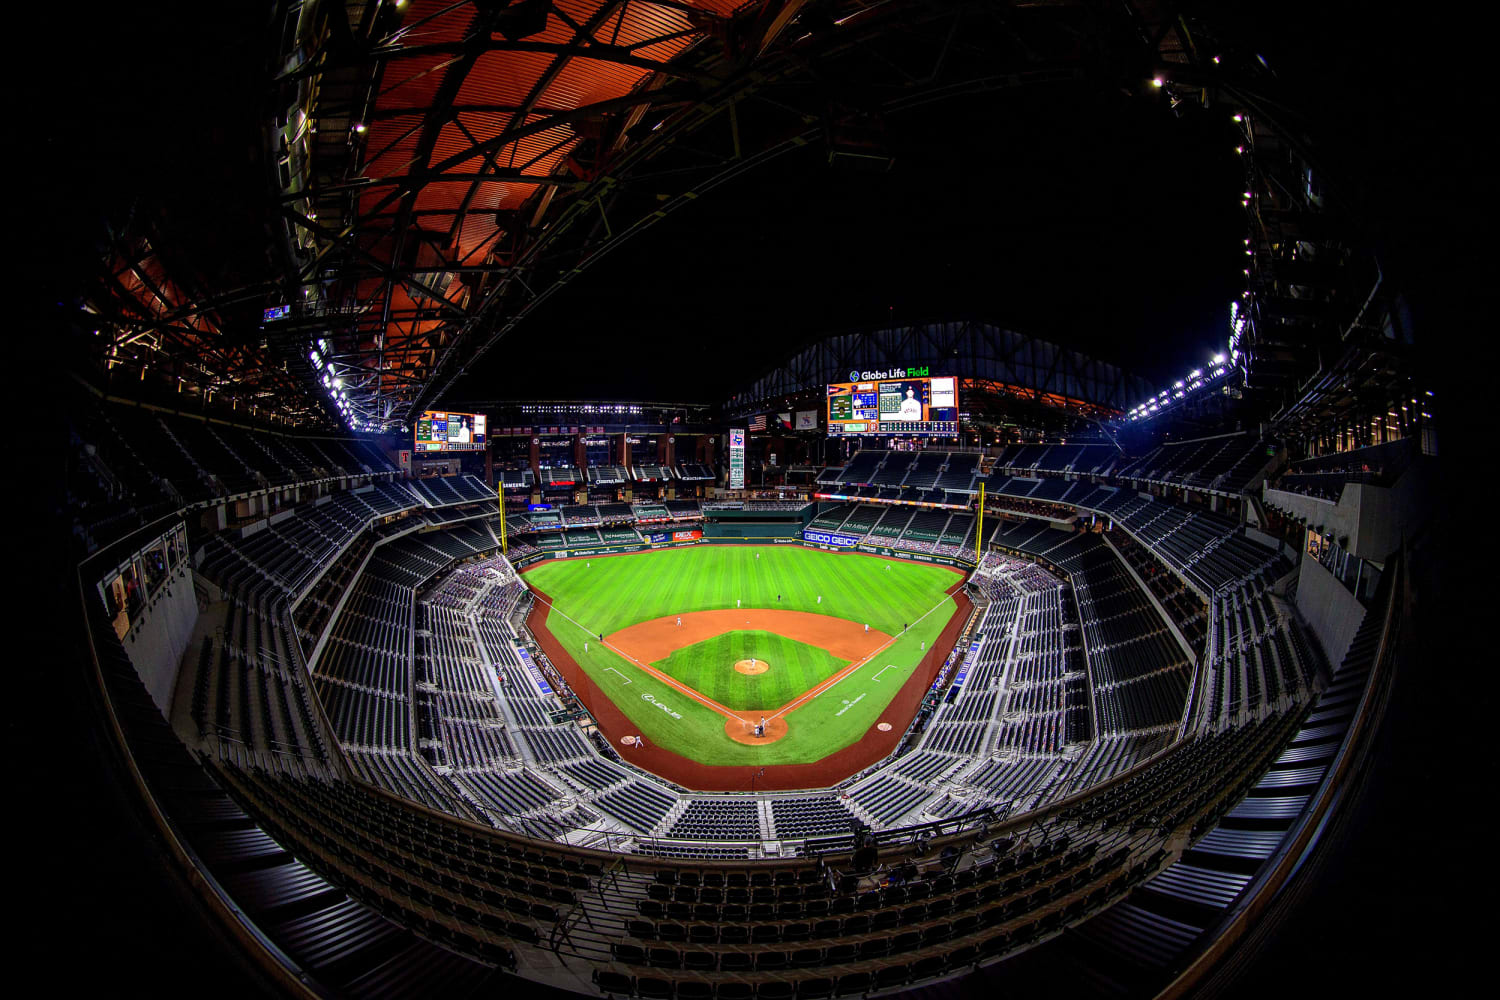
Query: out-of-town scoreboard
[[737, 458]]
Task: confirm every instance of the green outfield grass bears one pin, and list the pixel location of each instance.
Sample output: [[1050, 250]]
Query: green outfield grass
[[708, 667], [605, 595]]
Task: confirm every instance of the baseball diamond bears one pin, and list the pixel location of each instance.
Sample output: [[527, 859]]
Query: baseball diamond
[[814, 684]]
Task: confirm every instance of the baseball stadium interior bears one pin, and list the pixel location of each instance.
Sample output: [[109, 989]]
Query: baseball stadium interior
[[746, 500]]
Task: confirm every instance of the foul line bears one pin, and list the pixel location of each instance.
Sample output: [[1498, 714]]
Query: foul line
[[851, 668], [704, 700]]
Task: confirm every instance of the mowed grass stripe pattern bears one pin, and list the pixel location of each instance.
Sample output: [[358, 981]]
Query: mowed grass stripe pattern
[[709, 667], [608, 594], [612, 593]]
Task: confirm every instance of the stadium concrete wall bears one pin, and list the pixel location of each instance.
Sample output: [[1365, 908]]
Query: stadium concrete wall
[[1331, 611], [159, 640]]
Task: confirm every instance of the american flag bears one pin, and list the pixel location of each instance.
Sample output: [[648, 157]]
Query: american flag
[[758, 423]]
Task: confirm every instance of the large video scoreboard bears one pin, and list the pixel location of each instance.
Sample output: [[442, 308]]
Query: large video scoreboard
[[443, 430], [900, 405]]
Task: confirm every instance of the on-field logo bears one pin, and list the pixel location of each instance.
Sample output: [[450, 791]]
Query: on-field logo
[[661, 705]]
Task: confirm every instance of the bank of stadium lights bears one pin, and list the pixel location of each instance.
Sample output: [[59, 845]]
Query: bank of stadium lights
[[1195, 380]]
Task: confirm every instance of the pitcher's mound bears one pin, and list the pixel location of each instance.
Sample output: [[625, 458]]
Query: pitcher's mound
[[744, 732], [752, 666]]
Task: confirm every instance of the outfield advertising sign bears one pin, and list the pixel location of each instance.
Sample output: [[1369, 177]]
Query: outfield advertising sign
[[666, 537], [830, 538]]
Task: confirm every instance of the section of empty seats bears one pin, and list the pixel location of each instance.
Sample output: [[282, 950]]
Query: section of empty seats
[[1140, 674], [248, 685], [718, 819], [861, 468], [1258, 658], [958, 476], [862, 519], [144, 457], [831, 516], [1203, 463], [893, 470], [638, 805], [892, 522], [608, 475], [821, 816]]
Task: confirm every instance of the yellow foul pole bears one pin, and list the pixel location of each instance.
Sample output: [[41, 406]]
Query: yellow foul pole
[[979, 530], [500, 499]]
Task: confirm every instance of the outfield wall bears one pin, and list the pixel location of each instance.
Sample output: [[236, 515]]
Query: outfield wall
[[875, 550]]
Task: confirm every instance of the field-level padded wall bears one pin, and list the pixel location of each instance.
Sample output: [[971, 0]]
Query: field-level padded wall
[[735, 524], [790, 530], [964, 564]]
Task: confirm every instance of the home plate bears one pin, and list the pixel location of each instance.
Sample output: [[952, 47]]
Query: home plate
[[884, 727]]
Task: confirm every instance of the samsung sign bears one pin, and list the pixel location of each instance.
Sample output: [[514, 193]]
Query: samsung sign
[[920, 371]]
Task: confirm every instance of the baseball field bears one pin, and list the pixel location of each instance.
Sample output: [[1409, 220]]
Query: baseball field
[[734, 656]]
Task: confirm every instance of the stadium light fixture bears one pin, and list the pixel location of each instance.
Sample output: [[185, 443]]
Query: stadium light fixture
[[1195, 373], [1157, 81], [1239, 118], [359, 126], [1218, 359]]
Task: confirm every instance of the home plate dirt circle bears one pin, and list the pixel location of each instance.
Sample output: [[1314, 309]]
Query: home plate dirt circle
[[744, 732], [752, 666]]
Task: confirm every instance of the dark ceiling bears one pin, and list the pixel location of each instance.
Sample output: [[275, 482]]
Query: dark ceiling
[[1093, 219]]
